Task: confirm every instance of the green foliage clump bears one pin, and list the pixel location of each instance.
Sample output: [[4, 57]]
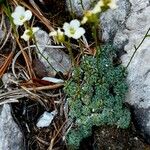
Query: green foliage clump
[[95, 95]]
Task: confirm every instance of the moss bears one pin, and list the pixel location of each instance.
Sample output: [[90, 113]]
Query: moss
[[96, 93]]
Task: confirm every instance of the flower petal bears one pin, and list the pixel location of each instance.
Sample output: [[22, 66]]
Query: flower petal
[[79, 32], [100, 3], [60, 32], [15, 15], [84, 20], [113, 4], [67, 33], [20, 10], [28, 14], [96, 9], [66, 26], [25, 35], [35, 29], [18, 22], [75, 24], [53, 33]]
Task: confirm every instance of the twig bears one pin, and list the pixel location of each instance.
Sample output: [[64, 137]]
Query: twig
[[6, 64], [51, 144], [48, 87], [6, 39], [41, 141]]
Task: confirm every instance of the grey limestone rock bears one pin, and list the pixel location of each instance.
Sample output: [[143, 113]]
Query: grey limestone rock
[[126, 27], [113, 22], [78, 6], [11, 137]]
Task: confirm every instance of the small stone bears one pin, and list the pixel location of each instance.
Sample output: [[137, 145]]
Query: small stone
[[54, 59], [53, 80], [46, 119]]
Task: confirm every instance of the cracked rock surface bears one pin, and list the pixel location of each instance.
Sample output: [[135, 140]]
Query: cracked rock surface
[[78, 6], [125, 27], [11, 137]]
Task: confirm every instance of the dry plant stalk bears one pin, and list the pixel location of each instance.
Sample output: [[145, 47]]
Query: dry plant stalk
[[6, 64], [36, 11], [27, 60]]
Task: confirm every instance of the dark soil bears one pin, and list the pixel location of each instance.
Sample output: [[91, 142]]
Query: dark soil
[[112, 138]]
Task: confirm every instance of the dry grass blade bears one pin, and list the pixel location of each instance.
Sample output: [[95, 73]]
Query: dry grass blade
[[14, 94], [36, 11], [42, 141], [6, 39], [27, 60], [51, 144], [56, 135], [9, 101], [6, 64], [48, 87]]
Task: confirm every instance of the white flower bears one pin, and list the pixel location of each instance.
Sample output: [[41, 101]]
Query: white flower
[[112, 4], [73, 30], [101, 3], [90, 15], [20, 15], [84, 20], [29, 33], [58, 36], [96, 9]]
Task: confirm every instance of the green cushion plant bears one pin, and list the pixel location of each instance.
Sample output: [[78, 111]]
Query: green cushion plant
[[96, 94]]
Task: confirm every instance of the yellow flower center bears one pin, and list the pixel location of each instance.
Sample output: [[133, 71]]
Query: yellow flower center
[[72, 30], [21, 17], [88, 14], [30, 33]]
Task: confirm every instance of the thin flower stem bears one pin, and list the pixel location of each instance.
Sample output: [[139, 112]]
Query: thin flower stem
[[80, 46], [94, 31], [27, 60], [68, 45], [72, 12], [43, 56], [136, 48], [26, 26], [81, 2]]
